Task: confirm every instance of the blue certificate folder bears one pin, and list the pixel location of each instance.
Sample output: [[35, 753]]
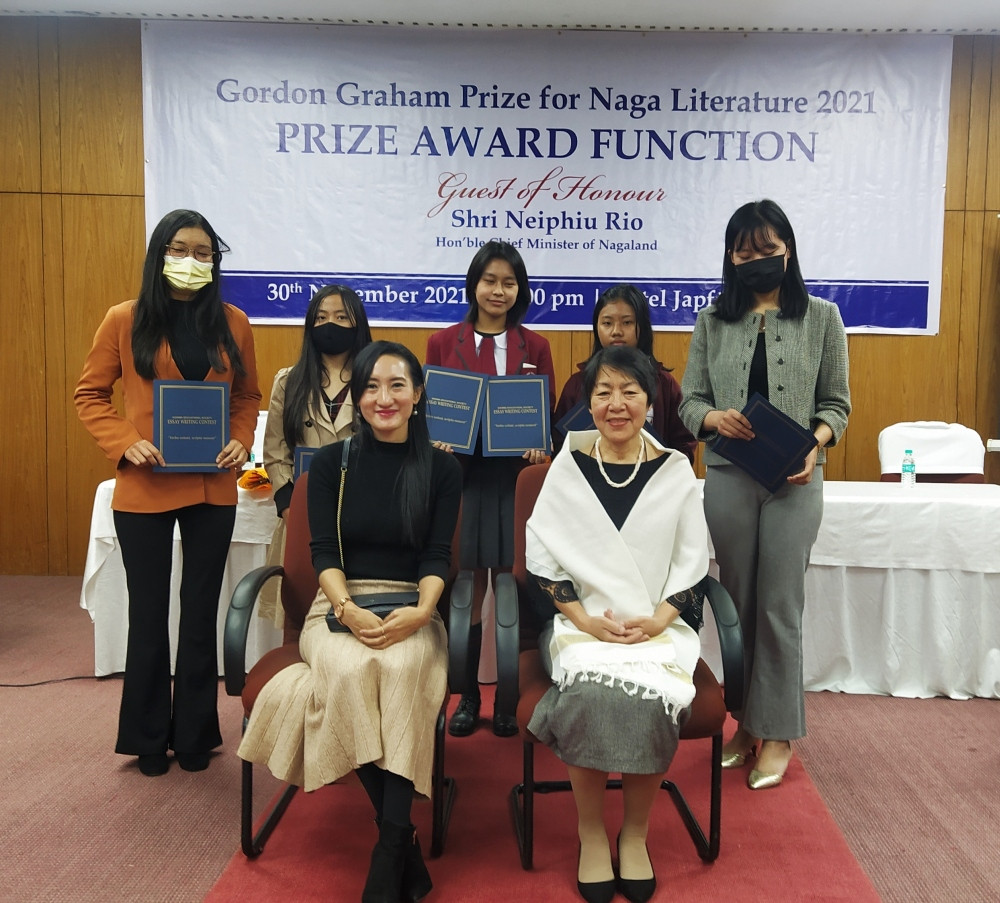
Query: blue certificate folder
[[190, 424], [302, 459], [577, 418], [454, 406], [516, 415], [777, 450]]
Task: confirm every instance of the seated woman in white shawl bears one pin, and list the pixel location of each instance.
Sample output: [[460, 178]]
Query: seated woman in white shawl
[[617, 541]]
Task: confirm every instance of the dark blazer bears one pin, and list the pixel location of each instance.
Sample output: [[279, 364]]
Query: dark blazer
[[527, 352]]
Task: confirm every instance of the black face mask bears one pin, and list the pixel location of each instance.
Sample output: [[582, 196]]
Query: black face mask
[[762, 275], [329, 338]]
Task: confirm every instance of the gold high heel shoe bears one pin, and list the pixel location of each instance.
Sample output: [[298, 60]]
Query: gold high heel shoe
[[738, 759], [762, 780]]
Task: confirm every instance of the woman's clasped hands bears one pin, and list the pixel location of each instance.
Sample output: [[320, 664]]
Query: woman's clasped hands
[[381, 633], [610, 629]]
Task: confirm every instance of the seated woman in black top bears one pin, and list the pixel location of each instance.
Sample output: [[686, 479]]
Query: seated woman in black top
[[366, 699]]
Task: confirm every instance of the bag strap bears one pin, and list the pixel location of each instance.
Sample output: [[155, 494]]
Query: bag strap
[[340, 495]]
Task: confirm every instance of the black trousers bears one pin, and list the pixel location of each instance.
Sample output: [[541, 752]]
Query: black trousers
[[148, 723]]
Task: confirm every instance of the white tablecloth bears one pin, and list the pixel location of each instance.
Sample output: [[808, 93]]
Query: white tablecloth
[[105, 594], [903, 591]]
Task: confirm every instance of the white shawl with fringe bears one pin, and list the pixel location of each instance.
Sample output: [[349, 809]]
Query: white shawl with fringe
[[661, 549]]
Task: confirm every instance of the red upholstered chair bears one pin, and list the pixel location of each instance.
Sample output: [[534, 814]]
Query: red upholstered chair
[[521, 675], [298, 589]]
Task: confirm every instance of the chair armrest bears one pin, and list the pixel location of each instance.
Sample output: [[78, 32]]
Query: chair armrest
[[459, 627], [727, 623], [508, 642], [234, 637]]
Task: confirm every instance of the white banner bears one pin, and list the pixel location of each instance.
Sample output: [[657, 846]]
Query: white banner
[[383, 157]]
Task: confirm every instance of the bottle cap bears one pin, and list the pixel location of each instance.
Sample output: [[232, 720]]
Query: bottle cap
[[908, 451]]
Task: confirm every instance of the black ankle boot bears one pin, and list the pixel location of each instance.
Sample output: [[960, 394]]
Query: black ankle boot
[[385, 873], [416, 879]]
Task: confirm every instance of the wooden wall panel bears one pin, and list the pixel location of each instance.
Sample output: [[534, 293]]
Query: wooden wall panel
[[102, 267], [57, 472], [993, 135], [100, 106], [988, 372], [24, 446], [979, 118], [20, 166], [958, 123]]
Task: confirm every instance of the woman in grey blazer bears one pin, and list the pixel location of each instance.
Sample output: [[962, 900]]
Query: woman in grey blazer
[[766, 334]]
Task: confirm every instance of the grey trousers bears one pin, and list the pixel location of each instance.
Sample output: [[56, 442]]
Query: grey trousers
[[762, 543]]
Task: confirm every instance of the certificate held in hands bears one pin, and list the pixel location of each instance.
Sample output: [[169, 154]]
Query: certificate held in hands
[[454, 406], [516, 415], [190, 424], [777, 450]]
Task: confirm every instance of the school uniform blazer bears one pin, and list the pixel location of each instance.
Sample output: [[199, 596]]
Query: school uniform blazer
[[140, 489], [806, 369], [527, 352], [317, 431]]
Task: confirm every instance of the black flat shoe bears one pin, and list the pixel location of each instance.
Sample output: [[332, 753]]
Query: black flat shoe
[[504, 725], [635, 890], [192, 761], [594, 891], [154, 765], [466, 717]]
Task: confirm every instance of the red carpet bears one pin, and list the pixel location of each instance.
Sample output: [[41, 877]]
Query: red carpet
[[779, 844]]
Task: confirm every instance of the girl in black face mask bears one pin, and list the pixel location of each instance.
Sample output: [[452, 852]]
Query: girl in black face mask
[[311, 403], [766, 334]]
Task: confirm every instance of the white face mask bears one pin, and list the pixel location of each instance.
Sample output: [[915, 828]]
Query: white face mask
[[186, 273]]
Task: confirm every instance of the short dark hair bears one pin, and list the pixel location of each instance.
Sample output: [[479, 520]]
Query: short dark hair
[[414, 481], [625, 359], [150, 325], [493, 250], [635, 299], [751, 226]]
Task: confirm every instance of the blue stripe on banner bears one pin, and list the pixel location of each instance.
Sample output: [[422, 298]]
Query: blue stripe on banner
[[432, 300]]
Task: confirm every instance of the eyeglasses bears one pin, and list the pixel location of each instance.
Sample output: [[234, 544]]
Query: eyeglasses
[[204, 255]]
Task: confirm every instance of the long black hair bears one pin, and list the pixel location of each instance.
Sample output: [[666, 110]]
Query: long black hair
[[150, 325], [635, 299], [755, 225], [493, 250], [304, 383], [413, 484]]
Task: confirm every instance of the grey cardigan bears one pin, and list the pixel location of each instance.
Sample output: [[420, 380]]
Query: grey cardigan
[[806, 369]]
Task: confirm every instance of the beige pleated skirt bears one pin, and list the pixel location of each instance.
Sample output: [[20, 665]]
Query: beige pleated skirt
[[347, 705]]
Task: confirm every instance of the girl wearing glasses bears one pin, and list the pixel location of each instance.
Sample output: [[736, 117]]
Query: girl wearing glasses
[[178, 328]]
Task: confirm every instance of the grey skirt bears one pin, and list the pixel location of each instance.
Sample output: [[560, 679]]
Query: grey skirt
[[591, 725]]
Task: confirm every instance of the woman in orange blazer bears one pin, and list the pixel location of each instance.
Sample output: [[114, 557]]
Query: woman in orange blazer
[[490, 340], [179, 328]]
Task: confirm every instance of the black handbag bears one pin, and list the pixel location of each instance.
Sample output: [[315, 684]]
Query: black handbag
[[380, 604]]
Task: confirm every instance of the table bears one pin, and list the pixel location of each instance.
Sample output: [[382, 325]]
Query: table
[[105, 594], [903, 591]]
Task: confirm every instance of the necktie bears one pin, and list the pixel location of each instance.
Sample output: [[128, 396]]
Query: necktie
[[486, 361]]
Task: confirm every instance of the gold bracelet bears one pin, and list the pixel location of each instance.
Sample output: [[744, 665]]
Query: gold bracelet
[[338, 613]]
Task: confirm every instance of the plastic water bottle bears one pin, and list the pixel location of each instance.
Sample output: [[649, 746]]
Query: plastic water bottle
[[908, 472]]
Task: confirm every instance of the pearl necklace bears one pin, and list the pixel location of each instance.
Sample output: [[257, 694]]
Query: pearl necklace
[[635, 470]]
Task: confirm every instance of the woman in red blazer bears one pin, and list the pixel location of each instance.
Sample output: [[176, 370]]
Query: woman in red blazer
[[178, 328], [490, 340]]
